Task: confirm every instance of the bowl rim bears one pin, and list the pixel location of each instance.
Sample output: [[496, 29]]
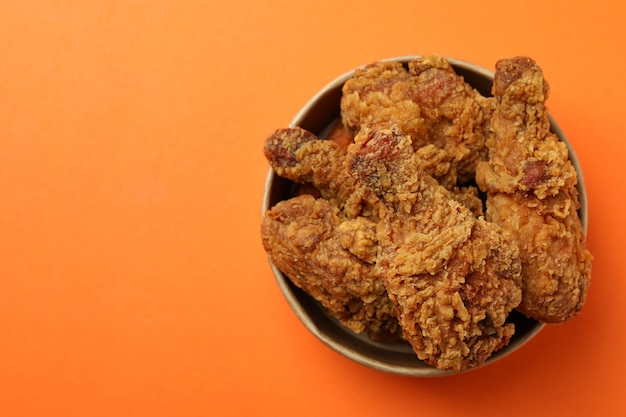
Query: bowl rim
[[287, 288]]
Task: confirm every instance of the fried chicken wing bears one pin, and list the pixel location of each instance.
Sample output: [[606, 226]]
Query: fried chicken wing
[[427, 101], [301, 156], [303, 239], [453, 279], [531, 192]]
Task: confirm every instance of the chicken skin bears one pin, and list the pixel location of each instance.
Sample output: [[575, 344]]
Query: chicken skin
[[531, 192], [452, 278], [326, 245], [304, 237], [301, 156], [427, 101]]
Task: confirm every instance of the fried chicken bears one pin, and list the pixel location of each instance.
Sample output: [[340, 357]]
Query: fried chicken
[[453, 279], [305, 238], [531, 192], [387, 230], [427, 101], [436, 162], [301, 156]]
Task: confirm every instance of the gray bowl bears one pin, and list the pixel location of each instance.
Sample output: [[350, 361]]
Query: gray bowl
[[398, 358]]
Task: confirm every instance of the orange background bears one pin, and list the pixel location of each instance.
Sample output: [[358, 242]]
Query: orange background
[[132, 277]]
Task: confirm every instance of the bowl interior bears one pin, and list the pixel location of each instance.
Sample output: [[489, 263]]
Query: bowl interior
[[316, 116]]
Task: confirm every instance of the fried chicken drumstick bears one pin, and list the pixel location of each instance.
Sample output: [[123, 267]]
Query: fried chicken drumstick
[[453, 278], [531, 192]]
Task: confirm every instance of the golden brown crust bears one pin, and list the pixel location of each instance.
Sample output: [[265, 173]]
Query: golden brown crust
[[387, 229], [303, 239], [531, 192], [427, 101], [382, 92], [302, 157], [556, 264], [453, 278], [523, 154]]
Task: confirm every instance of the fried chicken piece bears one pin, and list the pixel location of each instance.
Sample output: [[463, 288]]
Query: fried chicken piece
[[531, 192], [436, 163], [301, 156], [427, 101], [457, 116], [383, 92], [556, 266], [303, 240], [452, 278], [524, 156]]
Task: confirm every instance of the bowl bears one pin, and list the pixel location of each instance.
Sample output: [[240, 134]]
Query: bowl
[[317, 116]]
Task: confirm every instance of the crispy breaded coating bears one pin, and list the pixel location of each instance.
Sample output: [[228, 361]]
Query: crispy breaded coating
[[389, 232], [453, 278], [302, 157], [456, 115], [524, 156], [382, 92], [427, 101], [436, 163], [303, 239], [531, 192]]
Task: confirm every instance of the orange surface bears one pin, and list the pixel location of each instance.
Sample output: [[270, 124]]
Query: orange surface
[[132, 277]]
